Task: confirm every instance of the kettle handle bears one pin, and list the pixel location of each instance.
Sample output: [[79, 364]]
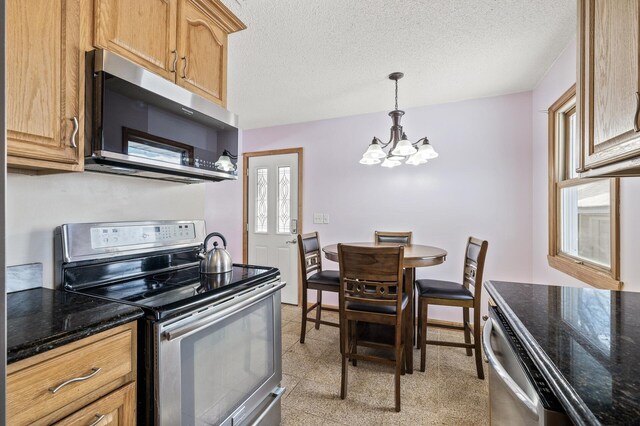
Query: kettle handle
[[215, 234]]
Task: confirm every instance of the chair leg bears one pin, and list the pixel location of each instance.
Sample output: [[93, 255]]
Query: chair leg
[[344, 328], [476, 342], [353, 329], [303, 327], [408, 343], [399, 362], [319, 308], [467, 332], [424, 310]]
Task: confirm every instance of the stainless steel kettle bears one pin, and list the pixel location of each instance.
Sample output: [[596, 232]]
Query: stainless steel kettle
[[217, 260]]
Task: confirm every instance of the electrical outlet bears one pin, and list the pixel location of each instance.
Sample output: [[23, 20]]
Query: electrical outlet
[[325, 218], [317, 218]]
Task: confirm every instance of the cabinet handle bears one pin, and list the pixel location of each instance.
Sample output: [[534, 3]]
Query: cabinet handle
[[76, 126], [77, 379], [98, 420], [175, 61], [184, 69], [635, 117]]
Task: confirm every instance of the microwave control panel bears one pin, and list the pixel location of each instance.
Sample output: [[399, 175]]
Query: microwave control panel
[[118, 236]]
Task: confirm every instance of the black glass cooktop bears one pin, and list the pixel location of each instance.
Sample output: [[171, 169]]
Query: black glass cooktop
[[168, 294]]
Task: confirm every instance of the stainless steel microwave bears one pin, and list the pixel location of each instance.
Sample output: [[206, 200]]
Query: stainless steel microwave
[[140, 124]]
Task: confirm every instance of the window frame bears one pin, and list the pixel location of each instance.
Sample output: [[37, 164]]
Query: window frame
[[590, 273]]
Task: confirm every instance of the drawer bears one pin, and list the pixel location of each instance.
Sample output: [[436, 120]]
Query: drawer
[[117, 408], [70, 380]]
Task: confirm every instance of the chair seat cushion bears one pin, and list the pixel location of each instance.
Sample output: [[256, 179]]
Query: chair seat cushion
[[443, 290], [354, 306], [325, 278]]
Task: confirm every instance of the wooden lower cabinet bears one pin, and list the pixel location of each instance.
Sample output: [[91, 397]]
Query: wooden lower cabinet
[[116, 409], [97, 374]]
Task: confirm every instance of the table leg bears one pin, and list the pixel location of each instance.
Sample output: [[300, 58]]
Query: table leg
[[409, 279]]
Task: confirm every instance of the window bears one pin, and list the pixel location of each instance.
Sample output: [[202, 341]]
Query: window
[[583, 212]]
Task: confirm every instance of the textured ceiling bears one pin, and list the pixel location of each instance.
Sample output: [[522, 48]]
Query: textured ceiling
[[303, 60]]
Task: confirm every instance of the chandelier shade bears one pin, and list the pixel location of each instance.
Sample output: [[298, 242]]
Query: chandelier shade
[[401, 148], [224, 162]]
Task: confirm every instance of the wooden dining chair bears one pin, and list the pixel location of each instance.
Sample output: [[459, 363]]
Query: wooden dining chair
[[315, 278], [447, 293], [393, 237], [371, 292]]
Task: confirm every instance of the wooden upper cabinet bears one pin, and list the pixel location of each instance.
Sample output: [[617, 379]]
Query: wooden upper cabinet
[[203, 49], [609, 86], [143, 31], [184, 41], [44, 85]]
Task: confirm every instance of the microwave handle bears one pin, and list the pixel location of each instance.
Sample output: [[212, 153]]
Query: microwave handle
[[511, 385], [215, 317]]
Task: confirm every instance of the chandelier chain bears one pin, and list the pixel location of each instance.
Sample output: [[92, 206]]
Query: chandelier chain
[[396, 94]]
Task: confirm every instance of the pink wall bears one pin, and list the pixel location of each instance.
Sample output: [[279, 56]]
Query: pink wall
[[558, 79], [480, 185]]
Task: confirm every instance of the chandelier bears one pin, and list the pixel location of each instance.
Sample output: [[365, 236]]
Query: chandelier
[[401, 148]]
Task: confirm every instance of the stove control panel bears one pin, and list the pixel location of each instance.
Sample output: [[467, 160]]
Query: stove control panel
[[117, 236]]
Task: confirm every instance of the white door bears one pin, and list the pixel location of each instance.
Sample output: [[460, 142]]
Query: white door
[[273, 217]]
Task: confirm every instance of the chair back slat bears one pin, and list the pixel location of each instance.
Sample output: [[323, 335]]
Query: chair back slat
[[370, 275], [476, 253], [310, 254], [393, 237]]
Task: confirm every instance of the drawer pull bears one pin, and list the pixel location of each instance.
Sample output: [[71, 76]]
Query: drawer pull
[[77, 379], [184, 69], [98, 420], [76, 127], [635, 117], [175, 61]]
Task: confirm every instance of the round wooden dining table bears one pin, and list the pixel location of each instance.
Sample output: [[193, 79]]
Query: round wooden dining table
[[415, 256]]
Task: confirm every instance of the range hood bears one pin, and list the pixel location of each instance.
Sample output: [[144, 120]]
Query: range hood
[[140, 124]]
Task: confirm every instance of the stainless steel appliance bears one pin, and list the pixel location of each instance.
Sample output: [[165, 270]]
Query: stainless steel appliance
[[217, 260], [140, 124], [209, 349], [518, 393]]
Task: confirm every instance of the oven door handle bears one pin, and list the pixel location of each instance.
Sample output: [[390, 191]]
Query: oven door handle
[[511, 385], [214, 317]]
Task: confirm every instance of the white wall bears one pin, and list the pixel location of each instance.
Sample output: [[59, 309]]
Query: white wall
[[480, 185], [37, 204], [557, 81]]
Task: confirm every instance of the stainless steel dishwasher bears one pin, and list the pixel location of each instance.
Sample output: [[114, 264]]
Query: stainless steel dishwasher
[[518, 393]]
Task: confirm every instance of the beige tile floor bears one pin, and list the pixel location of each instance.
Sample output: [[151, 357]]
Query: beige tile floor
[[448, 393]]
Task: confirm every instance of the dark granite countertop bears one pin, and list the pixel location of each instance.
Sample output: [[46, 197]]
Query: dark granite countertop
[[42, 319], [585, 341]]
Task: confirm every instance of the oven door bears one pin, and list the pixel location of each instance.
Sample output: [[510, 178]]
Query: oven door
[[222, 365]]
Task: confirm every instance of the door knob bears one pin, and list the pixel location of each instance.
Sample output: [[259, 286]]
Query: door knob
[[294, 241]]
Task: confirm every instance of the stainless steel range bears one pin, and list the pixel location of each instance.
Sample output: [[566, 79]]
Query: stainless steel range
[[210, 347]]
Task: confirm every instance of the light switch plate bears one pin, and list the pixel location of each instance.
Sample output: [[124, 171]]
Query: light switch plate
[[325, 218], [317, 218]]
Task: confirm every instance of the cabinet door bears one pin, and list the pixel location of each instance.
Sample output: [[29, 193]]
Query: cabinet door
[[116, 409], [608, 80], [202, 44], [44, 84], [141, 31]]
